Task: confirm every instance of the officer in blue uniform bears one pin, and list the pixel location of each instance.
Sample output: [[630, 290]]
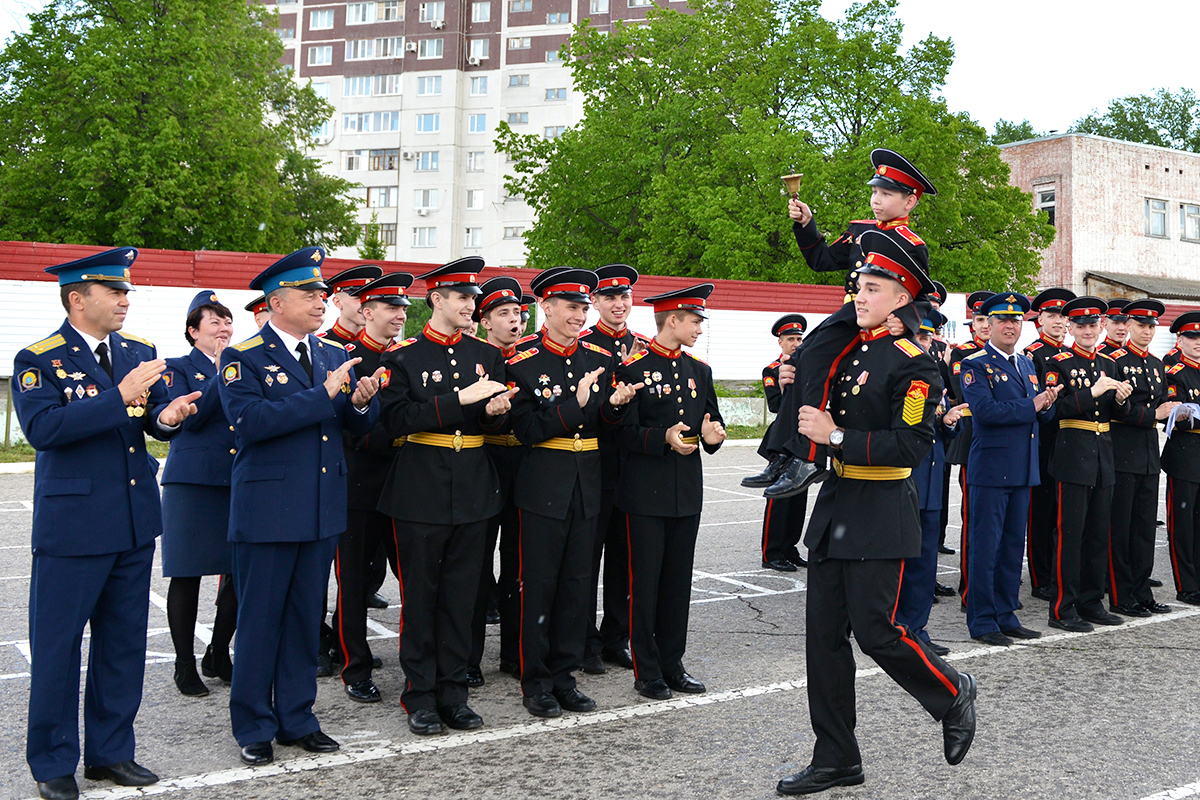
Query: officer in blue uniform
[[86, 397], [290, 394], [1007, 405]]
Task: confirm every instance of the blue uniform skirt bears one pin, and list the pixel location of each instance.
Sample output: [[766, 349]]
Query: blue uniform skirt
[[195, 538]]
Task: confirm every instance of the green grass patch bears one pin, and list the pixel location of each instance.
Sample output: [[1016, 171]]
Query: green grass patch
[[745, 431], [23, 452]]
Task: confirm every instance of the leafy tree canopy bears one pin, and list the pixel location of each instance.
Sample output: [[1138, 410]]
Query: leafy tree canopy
[[1164, 118], [1007, 132]]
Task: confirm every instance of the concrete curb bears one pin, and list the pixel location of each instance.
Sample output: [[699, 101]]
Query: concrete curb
[[16, 468]]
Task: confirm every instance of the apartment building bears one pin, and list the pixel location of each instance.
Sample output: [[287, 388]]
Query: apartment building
[[418, 90]]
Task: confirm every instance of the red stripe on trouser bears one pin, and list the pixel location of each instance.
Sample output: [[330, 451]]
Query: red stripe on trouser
[[904, 637], [400, 632], [812, 447], [1171, 532], [1058, 555], [766, 528], [629, 553], [899, 585], [521, 589]]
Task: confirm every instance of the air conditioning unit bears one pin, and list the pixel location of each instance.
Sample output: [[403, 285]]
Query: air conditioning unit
[[410, 47], [473, 61], [437, 24], [407, 155], [422, 212]]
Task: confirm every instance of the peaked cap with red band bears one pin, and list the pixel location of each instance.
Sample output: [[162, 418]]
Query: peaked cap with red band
[[1146, 312], [257, 304], [883, 256], [693, 299], [1085, 310], [461, 275], [1187, 323], [391, 289], [615, 279], [894, 171], [788, 324], [1052, 299], [1116, 309], [354, 278], [496, 292], [566, 282]]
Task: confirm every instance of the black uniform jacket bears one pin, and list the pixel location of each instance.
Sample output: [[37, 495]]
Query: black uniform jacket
[[1181, 455], [338, 334], [545, 408], [885, 394], [368, 458], [430, 484], [655, 480], [1134, 431], [611, 340], [845, 253], [1083, 457], [960, 449]]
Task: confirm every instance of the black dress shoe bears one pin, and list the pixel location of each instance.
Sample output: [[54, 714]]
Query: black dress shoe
[[187, 681], [1191, 598], [510, 668], [938, 649], [376, 662], [376, 600], [1041, 593], [995, 638], [493, 617], [795, 479], [315, 742], [781, 564], [217, 665], [460, 717], [124, 773], [363, 691], [324, 665], [958, 726], [258, 753], [622, 657], [1155, 607], [684, 683], [575, 700], [425, 722], [946, 551], [1133, 609], [1072, 624], [1155, 582], [799, 561], [594, 665], [942, 590], [811, 780], [63, 788], [655, 690], [543, 705], [1102, 617], [774, 469], [1021, 632], [474, 677]]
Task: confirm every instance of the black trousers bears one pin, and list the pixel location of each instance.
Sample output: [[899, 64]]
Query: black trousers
[[1183, 532], [375, 570], [610, 546], [945, 512], [661, 553], [1080, 549], [556, 560], [1043, 507], [439, 572], [783, 525], [503, 528], [366, 532], [861, 596], [1131, 538]]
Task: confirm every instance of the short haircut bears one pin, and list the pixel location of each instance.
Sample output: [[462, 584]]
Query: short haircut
[[194, 318], [442, 290], [64, 292], [275, 293], [660, 317]]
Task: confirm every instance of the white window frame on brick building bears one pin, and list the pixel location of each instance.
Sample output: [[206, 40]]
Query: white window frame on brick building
[[480, 49], [429, 123], [320, 20], [558, 18], [424, 237], [520, 42], [360, 13], [286, 33], [430, 48], [429, 85], [475, 160], [389, 46], [426, 161], [519, 6], [599, 6], [479, 86], [474, 239], [390, 11], [553, 56], [1046, 199], [481, 12], [1189, 222], [360, 49], [432, 12], [1156, 212], [320, 55]]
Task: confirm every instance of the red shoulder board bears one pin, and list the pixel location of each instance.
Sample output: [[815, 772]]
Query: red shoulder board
[[630, 359], [1033, 348], [584, 332], [349, 348], [1176, 368], [966, 347], [908, 347], [640, 337], [1063, 356], [398, 345], [1109, 356], [525, 339], [595, 348], [772, 365], [702, 361], [519, 357], [1115, 354], [870, 222], [321, 335], [907, 233]]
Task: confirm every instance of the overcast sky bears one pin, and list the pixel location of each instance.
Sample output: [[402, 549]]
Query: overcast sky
[[1048, 61]]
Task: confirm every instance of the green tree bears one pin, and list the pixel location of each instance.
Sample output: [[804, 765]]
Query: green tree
[[1164, 118], [1007, 132], [372, 247], [691, 119], [169, 124]]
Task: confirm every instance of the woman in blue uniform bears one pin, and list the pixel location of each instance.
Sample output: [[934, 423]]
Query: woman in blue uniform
[[195, 499]]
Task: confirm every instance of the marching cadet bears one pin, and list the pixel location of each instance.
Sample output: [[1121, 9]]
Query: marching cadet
[[86, 397], [290, 394], [1137, 464], [261, 311], [1043, 501], [1116, 326], [661, 487], [1082, 467], [499, 312], [960, 449], [561, 405], [880, 426], [613, 301], [444, 392], [896, 187], [383, 304], [341, 291], [1008, 406], [1181, 461], [783, 519], [918, 584]]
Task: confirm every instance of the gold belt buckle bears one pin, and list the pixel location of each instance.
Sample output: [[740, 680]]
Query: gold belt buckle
[[458, 441], [578, 445], [512, 440]]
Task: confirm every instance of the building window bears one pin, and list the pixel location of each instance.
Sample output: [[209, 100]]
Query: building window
[[640, 3], [561, 18], [518, 118], [429, 48], [474, 238], [1189, 222], [429, 123], [519, 43], [517, 6], [381, 196], [357, 87], [1045, 202], [320, 20], [371, 122], [477, 123], [480, 48], [554, 131], [474, 199], [321, 131], [353, 160], [514, 232], [475, 161], [389, 47], [479, 86], [320, 56], [427, 161], [433, 12], [599, 6], [425, 199], [481, 12], [360, 49], [424, 237], [390, 11], [385, 159], [1156, 218], [429, 85], [387, 233], [518, 80], [387, 84], [321, 90], [360, 13], [552, 56], [286, 33], [556, 94]]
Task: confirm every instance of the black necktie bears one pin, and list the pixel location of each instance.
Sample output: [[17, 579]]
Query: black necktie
[[1013, 360], [102, 352], [304, 362]]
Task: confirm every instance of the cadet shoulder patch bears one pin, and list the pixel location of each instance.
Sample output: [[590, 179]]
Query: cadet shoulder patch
[[768, 380], [350, 347], [30, 379], [693, 358], [168, 378], [133, 338], [47, 344], [966, 347], [528, 338], [595, 348], [911, 237], [1106, 355], [584, 332], [1176, 368], [1063, 356], [519, 357], [385, 378], [1051, 379], [968, 378], [398, 345], [914, 402], [1115, 354], [1171, 391], [1033, 348], [957, 367], [232, 372], [908, 347], [248, 345], [630, 359]]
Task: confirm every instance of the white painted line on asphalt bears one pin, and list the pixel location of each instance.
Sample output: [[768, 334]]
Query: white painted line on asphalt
[[739, 494], [731, 500], [740, 522], [1191, 790], [15, 547], [15, 578], [383, 632]]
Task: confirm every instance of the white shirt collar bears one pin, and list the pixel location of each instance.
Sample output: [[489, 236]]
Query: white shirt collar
[[1001, 353], [92, 342], [290, 342]]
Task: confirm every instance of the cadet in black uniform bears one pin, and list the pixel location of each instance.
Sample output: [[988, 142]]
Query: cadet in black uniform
[[1137, 464], [661, 487], [1043, 499], [384, 304], [1181, 461], [613, 301], [444, 393], [562, 402], [1082, 468], [1116, 326], [341, 291], [879, 426], [940, 349], [261, 311], [783, 519]]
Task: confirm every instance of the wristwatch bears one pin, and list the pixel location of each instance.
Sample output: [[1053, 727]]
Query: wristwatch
[[835, 438]]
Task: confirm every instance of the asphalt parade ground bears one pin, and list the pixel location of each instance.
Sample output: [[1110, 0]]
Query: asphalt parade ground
[[1111, 714]]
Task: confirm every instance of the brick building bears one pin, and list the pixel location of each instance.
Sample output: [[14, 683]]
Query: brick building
[[1127, 214], [418, 89]]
